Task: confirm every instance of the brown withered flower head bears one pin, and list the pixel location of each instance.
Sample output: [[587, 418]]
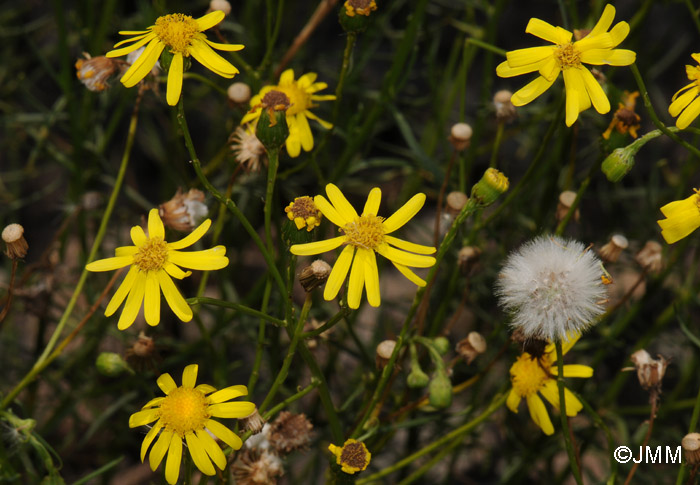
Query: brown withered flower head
[[257, 467], [94, 72], [274, 101], [289, 432], [359, 7], [650, 257], [625, 119], [650, 372], [15, 244], [249, 151], [185, 211]]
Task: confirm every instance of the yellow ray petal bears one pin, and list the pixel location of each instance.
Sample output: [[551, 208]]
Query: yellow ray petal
[[357, 279], [412, 277], [371, 277], [321, 122], [543, 30], [209, 259], [224, 434], [329, 211], [174, 80], [109, 264], [539, 415], [130, 48], [166, 383], [211, 448], [155, 225], [604, 22], [143, 65], [155, 402], [211, 60], [680, 207], [209, 20], [199, 455], [227, 394], [225, 47], [619, 33], [675, 229], [172, 464], [338, 273], [575, 370], [144, 417], [126, 251], [176, 272], [138, 236], [133, 302], [595, 92], [159, 449], [529, 55], [409, 246], [688, 115], [374, 198], [173, 297], [287, 77], [513, 401], [682, 101], [151, 300], [404, 214], [574, 86], [318, 247], [189, 376], [133, 39], [305, 135], [307, 80], [616, 57], [206, 388], [231, 409], [531, 91], [150, 436], [407, 259], [340, 203]]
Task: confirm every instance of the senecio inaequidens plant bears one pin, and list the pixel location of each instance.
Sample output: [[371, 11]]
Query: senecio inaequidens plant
[[315, 162]]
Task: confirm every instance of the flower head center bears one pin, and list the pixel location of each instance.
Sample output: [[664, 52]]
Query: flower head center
[[153, 255], [299, 100], [184, 410], [304, 213], [567, 56], [176, 31], [354, 455], [529, 374], [365, 232]]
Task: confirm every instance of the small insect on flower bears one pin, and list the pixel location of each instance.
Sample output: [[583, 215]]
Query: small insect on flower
[[553, 287]]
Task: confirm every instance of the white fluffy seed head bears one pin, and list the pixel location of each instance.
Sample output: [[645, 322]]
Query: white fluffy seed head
[[553, 287]]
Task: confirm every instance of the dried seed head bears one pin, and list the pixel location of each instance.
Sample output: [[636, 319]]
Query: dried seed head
[[470, 347], [650, 257], [650, 372], [248, 149], [16, 245], [691, 448], [222, 5], [253, 423], [289, 432], [144, 346], [384, 351], [460, 135], [314, 275], [257, 467], [467, 258], [184, 212], [612, 250], [455, 202], [505, 111], [238, 92], [94, 72], [533, 346], [566, 200]]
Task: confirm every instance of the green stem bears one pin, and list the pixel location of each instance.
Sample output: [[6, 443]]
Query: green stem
[[691, 429], [326, 326], [486, 45], [39, 364], [205, 80], [230, 205], [273, 163], [497, 144], [497, 402], [260, 345], [562, 414], [238, 307], [272, 33], [655, 118], [282, 375]]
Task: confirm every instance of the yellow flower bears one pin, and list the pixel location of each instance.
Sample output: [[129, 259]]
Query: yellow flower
[[153, 262], [530, 375], [359, 7], [364, 235], [687, 105], [682, 218], [353, 456], [183, 37], [582, 89], [185, 414], [304, 213], [301, 94]]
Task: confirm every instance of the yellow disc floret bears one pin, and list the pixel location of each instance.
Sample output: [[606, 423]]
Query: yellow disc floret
[[153, 255], [365, 232], [176, 31], [184, 410], [528, 374], [568, 56]]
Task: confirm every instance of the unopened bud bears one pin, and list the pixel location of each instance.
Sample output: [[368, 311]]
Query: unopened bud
[[566, 200], [111, 364], [253, 423], [184, 211], [16, 245], [612, 250], [491, 185], [239, 92], [650, 372], [618, 164], [691, 448], [471, 347], [442, 345], [505, 111], [417, 378], [272, 129], [222, 5], [314, 275], [460, 136], [455, 202], [650, 257], [467, 258], [384, 351], [440, 390]]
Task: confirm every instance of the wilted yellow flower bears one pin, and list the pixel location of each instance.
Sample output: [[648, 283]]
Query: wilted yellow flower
[[531, 375], [625, 119], [304, 213], [687, 105], [185, 414], [153, 262], [682, 218], [301, 94], [582, 89], [182, 36], [353, 456], [368, 234]]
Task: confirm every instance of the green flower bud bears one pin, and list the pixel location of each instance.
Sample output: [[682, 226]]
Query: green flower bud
[[354, 15], [111, 364], [440, 391], [492, 184], [272, 129], [442, 345], [417, 378], [618, 164]]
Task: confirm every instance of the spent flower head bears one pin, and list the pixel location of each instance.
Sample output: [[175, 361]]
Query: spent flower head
[[567, 57], [249, 151], [304, 213], [625, 119], [180, 36], [185, 413], [553, 287], [352, 457], [94, 72]]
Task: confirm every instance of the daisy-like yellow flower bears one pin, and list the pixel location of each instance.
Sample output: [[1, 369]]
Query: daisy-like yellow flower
[[352, 457], [301, 94], [363, 236], [153, 262], [304, 213], [182, 36], [185, 414], [567, 57], [687, 105], [682, 218], [530, 376]]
